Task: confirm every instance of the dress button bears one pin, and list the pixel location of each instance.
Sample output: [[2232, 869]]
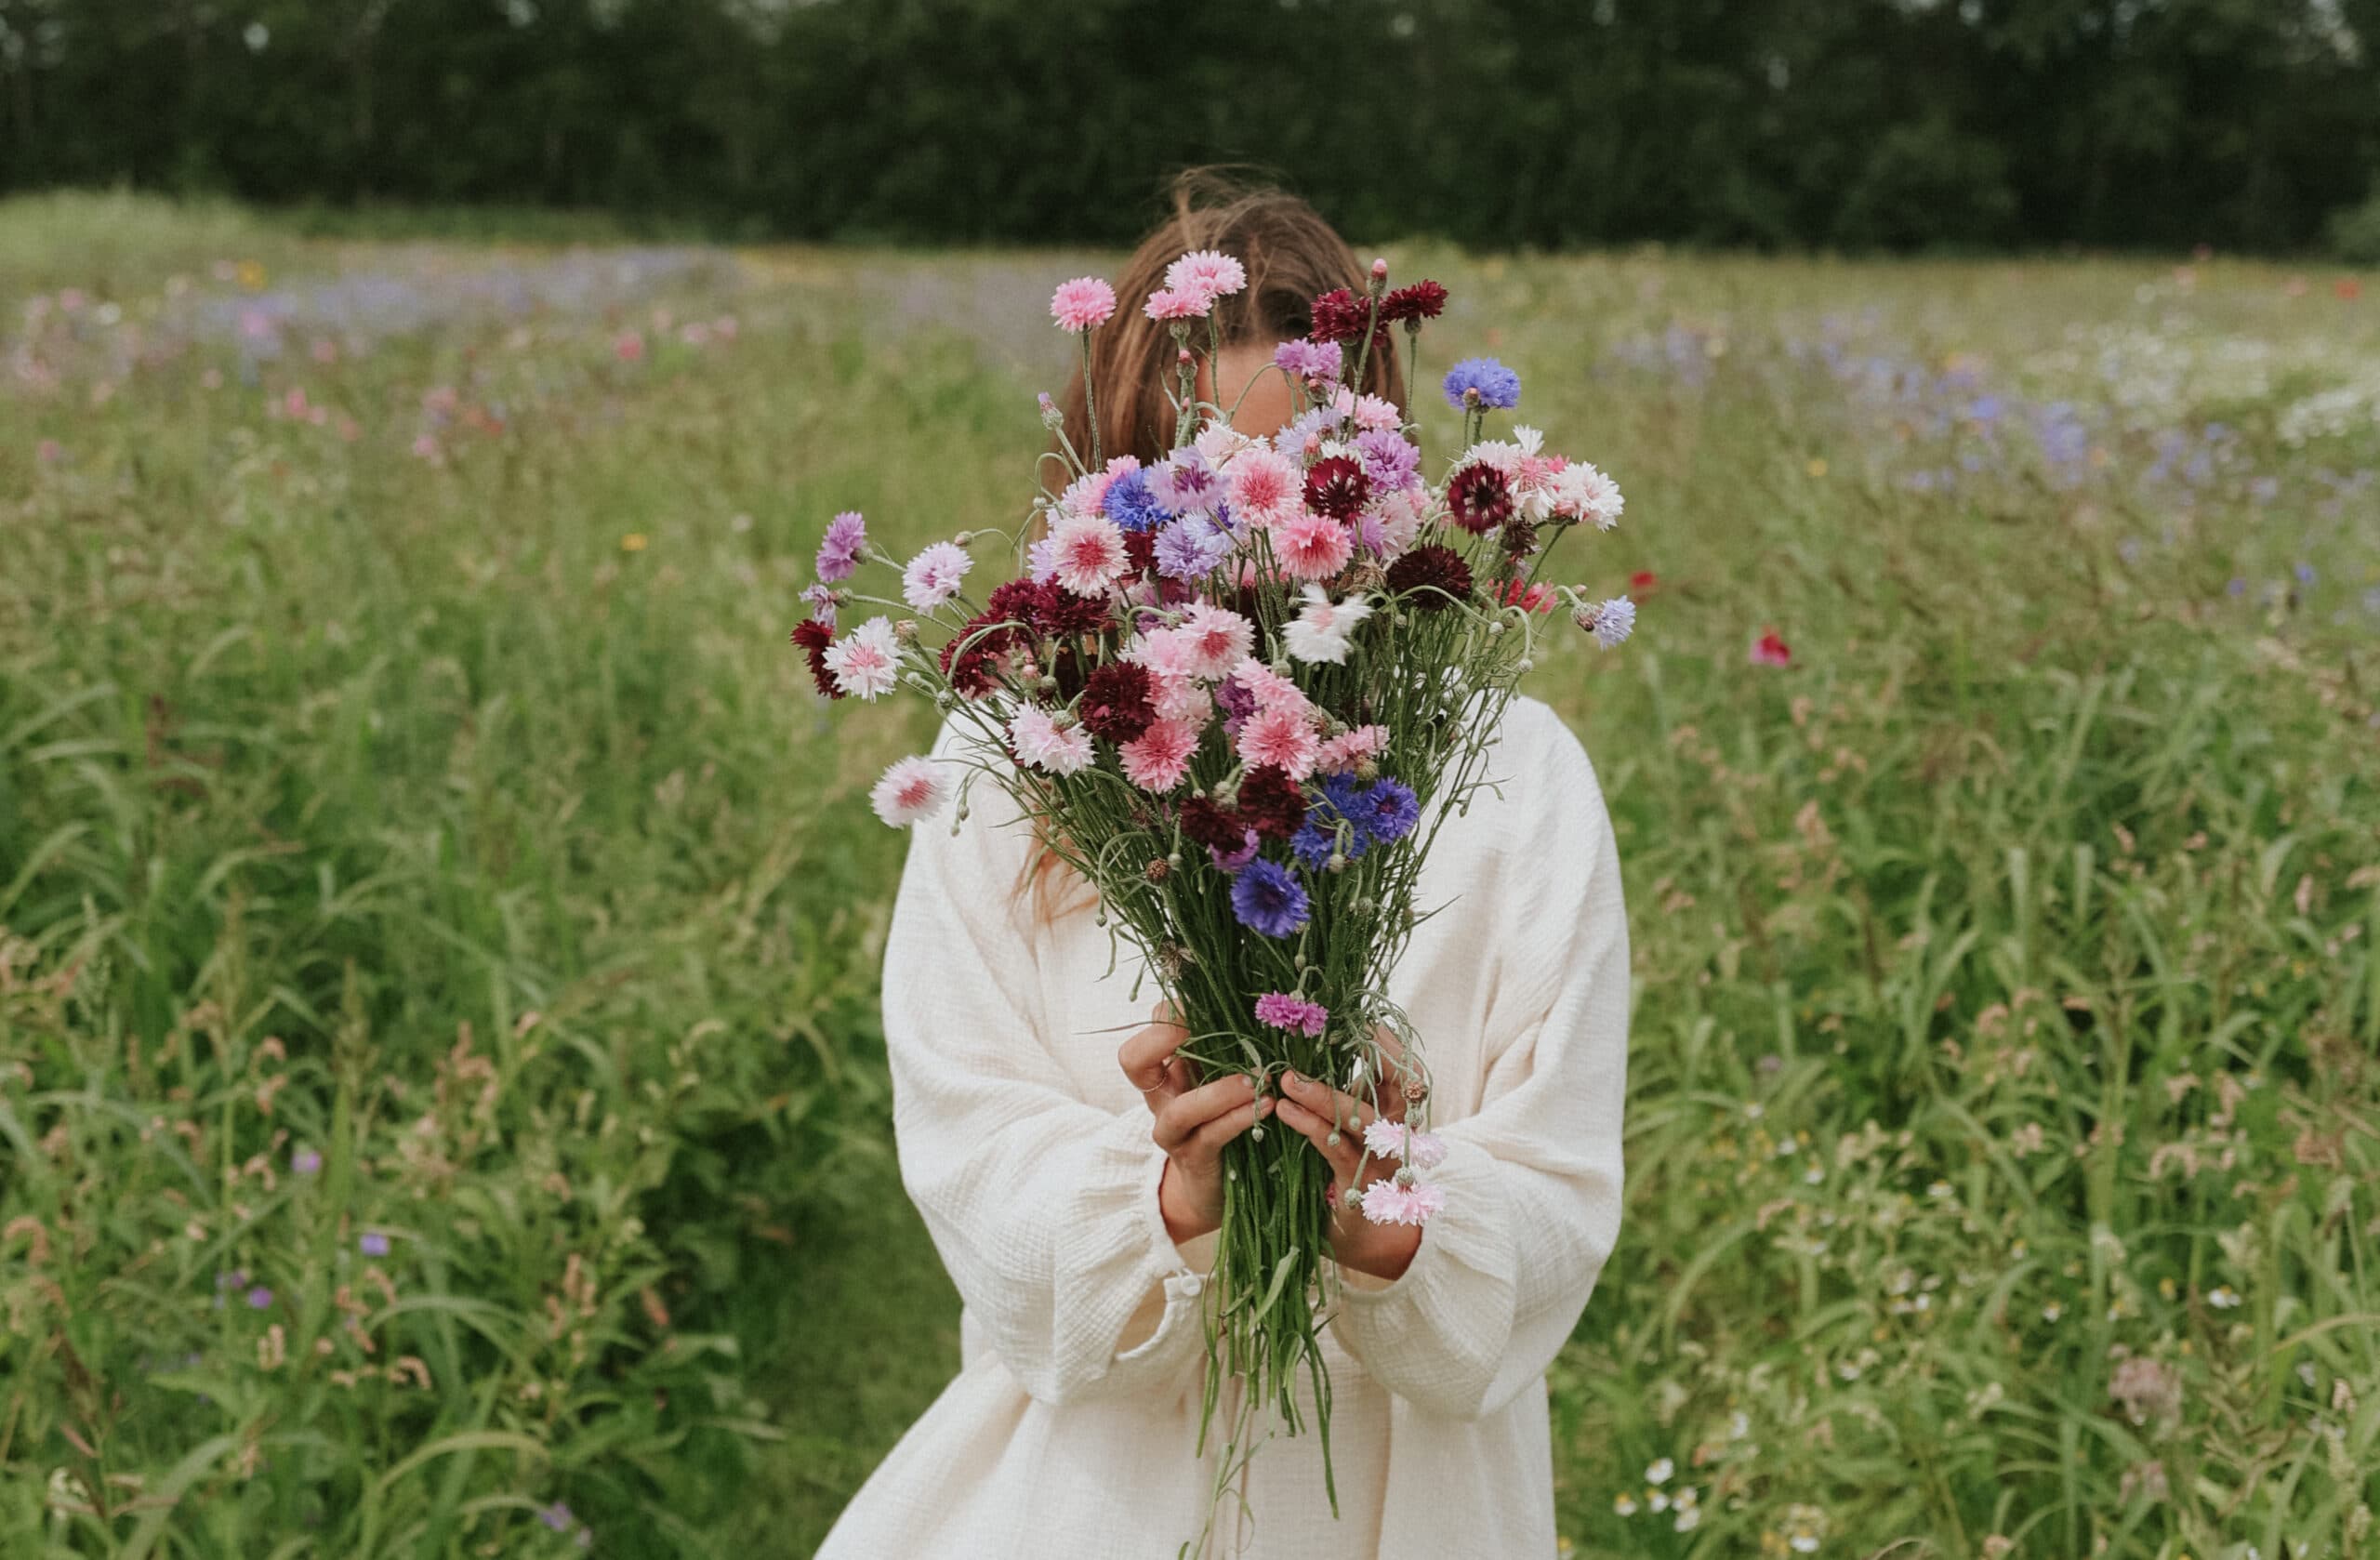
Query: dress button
[[1189, 1284]]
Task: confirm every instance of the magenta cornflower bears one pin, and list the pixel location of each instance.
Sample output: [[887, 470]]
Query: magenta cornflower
[[838, 554], [1168, 304], [1283, 1010]]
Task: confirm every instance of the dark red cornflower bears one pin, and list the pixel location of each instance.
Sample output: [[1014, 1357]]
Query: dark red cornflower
[[1337, 487], [1015, 601], [1140, 550], [813, 636], [1419, 300], [1212, 826], [1340, 315], [1270, 801], [1062, 612], [1643, 583], [974, 656], [1479, 497], [1116, 701], [1432, 578], [1520, 537]]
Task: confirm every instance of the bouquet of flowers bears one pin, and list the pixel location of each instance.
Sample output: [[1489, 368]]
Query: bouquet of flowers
[[1237, 690]]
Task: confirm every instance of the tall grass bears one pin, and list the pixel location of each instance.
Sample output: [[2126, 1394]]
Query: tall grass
[[441, 1100]]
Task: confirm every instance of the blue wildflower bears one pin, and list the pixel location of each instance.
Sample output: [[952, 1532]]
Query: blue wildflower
[[1498, 386], [1268, 899], [1389, 810], [1130, 504], [1191, 548]]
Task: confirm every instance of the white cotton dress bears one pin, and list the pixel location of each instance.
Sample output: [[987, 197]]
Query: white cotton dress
[[1069, 1430]]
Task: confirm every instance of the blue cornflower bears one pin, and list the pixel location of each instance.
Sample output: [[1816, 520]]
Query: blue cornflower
[[1498, 386], [1389, 812], [1130, 504], [1268, 899]]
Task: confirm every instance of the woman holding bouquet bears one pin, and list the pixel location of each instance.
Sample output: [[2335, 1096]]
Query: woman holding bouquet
[[1073, 1184]]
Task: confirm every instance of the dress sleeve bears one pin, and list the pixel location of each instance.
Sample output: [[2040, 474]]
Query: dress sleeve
[[1042, 1206], [1533, 1179]]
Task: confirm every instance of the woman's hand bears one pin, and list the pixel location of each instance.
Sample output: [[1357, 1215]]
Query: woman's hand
[[1311, 1110], [1193, 1124]]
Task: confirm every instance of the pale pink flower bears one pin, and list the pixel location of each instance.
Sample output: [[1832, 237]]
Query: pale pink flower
[[1343, 753], [1387, 1203], [1042, 743], [1216, 638], [1219, 442], [1271, 689], [1183, 701], [1320, 630], [1280, 736], [911, 791], [1265, 487], [1168, 304], [1369, 411], [1395, 1140], [1205, 273], [1089, 553], [1087, 493], [1582, 491], [866, 661], [1156, 759], [1082, 303], [933, 575], [1393, 522], [1166, 652], [1312, 547]]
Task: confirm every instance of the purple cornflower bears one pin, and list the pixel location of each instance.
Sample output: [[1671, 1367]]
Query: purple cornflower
[[1268, 900], [1497, 386], [556, 1516], [1238, 858], [373, 1244], [838, 554], [1191, 549], [1390, 458], [259, 1299], [306, 1161], [1184, 484], [1284, 1010], [1307, 359]]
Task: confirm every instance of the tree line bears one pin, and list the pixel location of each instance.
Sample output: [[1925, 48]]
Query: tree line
[[2249, 125]]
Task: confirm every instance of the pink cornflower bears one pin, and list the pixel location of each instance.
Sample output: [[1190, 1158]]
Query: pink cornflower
[[1087, 493], [1387, 1203], [1081, 304], [1271, 690], [1282, 737], [933, 575], [1771, 651], [1582, 491], [1216, 638], [1343, 753], [1089, 553], [1166, 652], [1266, 488], [1395, 1140], [1529, 597], [911, 791], [1156, 759], [1042, 743], [1205, 273], [867, 660], [629, 346], [1312, 547], [1283, 1010], [1371, 413], [1184, 702], [1167, 303], [1392, 523]]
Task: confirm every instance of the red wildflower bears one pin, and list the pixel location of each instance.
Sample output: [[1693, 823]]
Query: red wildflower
[[1270, 802], [1340, 315], [1770, 651], [1116, 702], [1337, 487], [973, 671], [813, 636], [1212, 826], [1432, 578], [1643, 583], [1480, 498], [1420, 301]]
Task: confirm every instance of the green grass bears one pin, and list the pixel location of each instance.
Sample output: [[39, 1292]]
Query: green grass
[[2008, 965]]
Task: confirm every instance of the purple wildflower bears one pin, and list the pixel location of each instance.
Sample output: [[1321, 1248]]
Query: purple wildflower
[[373, 1244], [838, 554], [259, 1299], [1496, 385], [1308, 360], [1268, 900], [306, 1161], [1191, 549]]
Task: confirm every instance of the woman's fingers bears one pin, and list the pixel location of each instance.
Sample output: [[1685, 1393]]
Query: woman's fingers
[[1208, 1140], [1344, 1157], [1181, 1117], [1148, 1060], [1351, 1114]]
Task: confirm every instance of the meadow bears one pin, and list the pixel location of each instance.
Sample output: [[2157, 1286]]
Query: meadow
[[443, 1108]]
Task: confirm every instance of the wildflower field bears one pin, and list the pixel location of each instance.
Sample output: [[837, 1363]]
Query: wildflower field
[[442, 1109]]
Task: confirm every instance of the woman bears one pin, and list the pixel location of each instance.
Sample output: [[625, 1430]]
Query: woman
[[1073, 1187]]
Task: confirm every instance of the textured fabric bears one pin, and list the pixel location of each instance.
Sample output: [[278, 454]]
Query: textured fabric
[[1069, 1432]]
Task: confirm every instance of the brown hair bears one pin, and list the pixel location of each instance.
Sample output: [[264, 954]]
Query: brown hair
[[1292, 257]]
